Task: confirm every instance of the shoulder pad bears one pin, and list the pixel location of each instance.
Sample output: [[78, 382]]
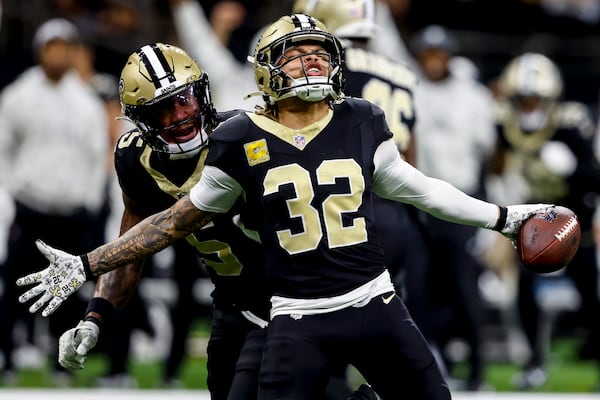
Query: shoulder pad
[[574, 115], [502, 111], [231, 128], [129, 139], [225, 115]]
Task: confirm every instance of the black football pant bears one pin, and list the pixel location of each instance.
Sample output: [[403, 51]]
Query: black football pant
[[380, 339], [245, 382], [233, 336]]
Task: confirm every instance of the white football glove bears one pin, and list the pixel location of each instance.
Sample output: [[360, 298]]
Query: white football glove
[[63, 277], [74, 344], [517, 214]]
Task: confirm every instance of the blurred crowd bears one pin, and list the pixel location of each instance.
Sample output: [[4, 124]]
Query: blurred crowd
[[59, 185]]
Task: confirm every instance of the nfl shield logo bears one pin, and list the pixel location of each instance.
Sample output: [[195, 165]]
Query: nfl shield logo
[[299, 140]]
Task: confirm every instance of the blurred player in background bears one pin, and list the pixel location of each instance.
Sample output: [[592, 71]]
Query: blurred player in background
[[54, 140], [549, 142], [232, 80], [456, 138]]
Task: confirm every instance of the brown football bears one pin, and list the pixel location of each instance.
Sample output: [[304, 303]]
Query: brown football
[[548, 241]]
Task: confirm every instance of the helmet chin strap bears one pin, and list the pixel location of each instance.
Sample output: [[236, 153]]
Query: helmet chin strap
[[312, 89], [192, 147]]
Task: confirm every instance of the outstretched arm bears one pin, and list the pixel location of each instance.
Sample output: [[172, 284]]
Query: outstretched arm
[[66, 273], [397, 180], [149, 236]]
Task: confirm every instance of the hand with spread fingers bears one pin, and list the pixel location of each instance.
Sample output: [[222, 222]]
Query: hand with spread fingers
[[63, 277]]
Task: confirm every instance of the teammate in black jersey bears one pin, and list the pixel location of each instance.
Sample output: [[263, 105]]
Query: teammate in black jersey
[[307, 166], [166, 95]]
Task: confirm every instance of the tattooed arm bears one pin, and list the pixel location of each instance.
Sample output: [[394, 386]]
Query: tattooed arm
[[66, 273], [139, 238], [118, 285], [149, 236]]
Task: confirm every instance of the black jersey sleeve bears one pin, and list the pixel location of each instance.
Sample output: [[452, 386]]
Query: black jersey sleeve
[[225, 151], [223, 116], [126, 161]]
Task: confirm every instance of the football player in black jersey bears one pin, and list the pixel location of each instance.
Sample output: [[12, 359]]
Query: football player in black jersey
[[549, 143], [307, 165], [384, 82], [390, 85], [166, 95]]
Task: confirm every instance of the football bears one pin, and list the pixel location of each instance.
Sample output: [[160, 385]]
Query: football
[[548, 241]]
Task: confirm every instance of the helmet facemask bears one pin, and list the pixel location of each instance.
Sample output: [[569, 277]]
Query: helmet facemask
[[164, 132], [308, 88], [533, 112], [269, 59]]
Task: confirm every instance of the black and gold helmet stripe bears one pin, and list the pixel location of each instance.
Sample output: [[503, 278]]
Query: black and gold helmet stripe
[[303, 22], [157, 65]]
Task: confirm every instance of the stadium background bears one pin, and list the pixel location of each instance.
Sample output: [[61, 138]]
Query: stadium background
[[490, 31]]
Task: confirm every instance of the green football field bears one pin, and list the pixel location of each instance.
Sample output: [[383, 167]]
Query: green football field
[[567, 374]]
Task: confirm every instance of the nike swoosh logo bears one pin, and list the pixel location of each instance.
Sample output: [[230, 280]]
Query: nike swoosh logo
[[386, 300]]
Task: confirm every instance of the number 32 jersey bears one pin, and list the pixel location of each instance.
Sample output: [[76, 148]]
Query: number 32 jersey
[[308, 193]]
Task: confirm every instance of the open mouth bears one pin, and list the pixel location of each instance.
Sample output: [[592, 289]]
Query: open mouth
[[181, 135], [313, 71]]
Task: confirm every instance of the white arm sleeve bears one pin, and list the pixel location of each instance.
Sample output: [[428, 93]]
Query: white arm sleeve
[[216, 192], [395, 179]]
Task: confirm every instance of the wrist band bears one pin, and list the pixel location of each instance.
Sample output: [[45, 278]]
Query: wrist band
[[94, 320], [103, 308], [86, 267], [501, 219]]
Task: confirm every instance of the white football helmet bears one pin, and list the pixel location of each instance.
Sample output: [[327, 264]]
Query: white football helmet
[[532, 84], [157, 82], [288, 31], [347, 19]]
